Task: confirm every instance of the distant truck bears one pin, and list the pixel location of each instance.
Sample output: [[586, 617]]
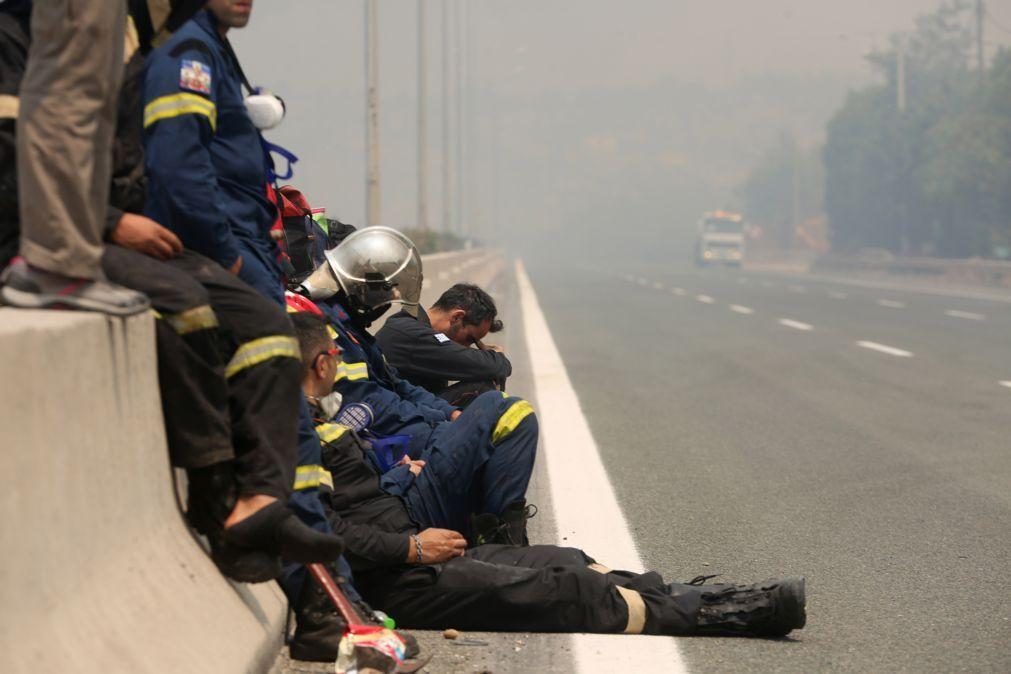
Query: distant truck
[[720, 239]]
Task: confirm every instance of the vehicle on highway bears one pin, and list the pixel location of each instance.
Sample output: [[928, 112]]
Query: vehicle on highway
[[720, 239]]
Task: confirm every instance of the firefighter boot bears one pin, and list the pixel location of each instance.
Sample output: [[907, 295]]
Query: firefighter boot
[[769, 609], [485, 528], [210, 498], [514, 523]]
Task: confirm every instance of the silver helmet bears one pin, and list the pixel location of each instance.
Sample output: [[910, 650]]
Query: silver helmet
[[374, 266]]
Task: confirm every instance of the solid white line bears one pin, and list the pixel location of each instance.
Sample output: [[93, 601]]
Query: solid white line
[[585, 507], [968, 315], [1005, 383], [705, 299], [884, 348], [796, 325], [741, 310], [678, 291], [892, 304], [657, 285], [837, 295]]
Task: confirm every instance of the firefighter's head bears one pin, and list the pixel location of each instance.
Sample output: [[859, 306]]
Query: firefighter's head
[[231, 13], [372, 269]]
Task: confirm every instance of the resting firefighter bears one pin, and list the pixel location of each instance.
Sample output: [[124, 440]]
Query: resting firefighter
[[483, 456], [424, 575]]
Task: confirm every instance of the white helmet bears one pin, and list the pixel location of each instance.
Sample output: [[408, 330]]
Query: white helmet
[[374, 266]]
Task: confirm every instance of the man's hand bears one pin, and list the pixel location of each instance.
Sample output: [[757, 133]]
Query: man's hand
[[146, 236], [437, 546], [455, 415], [236, 266], [415, 465]]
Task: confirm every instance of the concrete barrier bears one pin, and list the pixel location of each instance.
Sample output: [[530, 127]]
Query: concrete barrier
[[99, 572]]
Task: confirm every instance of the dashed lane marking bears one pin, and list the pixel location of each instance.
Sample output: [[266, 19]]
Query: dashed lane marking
[[641, 281], [678, 291], [892, 304], [705, 299], [968, 315], [796, 325], [657, 285], [737, 308], [585, 507], [1006, 383], [884, 348]]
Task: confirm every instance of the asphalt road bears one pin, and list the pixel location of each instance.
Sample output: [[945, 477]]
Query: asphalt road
[[756, 425]]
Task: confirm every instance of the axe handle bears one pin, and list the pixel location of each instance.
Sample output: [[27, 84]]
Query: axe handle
[[340, 601]]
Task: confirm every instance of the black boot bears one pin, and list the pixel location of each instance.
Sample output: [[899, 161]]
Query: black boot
[[514, 522], [318, 626], [484, 529], [211, 496], [769, 609]]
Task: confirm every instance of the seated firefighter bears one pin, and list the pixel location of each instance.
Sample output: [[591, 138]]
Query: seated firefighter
[[494, 440], [228, 405], [444, 343], [427, 579]]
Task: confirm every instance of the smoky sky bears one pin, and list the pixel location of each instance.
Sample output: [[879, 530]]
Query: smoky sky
[[529, 65]]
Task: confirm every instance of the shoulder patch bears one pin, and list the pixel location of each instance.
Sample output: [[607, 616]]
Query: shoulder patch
[[441, 337], [195, 76]]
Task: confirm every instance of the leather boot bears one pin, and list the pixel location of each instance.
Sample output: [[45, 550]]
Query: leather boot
[[318, 626], [769, 609], [514, 521]]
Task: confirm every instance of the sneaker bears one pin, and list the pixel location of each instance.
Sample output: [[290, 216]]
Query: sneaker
[[31, 288]]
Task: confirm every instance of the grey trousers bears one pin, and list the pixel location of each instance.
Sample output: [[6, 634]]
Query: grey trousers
[[65, 128]]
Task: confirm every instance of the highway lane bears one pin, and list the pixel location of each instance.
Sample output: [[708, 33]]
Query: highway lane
[[743, 445]]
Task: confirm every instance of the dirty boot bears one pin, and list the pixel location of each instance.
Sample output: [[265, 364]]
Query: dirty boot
[[769, 609], [318, 626], [514, 523]]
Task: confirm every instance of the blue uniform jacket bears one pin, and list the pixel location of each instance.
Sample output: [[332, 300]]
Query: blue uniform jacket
[[205, 161]]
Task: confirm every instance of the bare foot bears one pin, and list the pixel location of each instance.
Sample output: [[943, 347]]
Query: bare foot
[[246, 506]]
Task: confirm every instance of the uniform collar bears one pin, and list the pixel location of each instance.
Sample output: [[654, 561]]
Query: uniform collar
[[206, 20]]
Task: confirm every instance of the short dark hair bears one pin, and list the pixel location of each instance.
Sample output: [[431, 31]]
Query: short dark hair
[[313, 338], [478, 306]]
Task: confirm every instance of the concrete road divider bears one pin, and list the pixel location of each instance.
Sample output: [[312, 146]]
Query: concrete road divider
[[99, 572]]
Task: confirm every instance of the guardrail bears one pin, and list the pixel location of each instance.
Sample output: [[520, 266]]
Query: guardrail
[[975, 271]]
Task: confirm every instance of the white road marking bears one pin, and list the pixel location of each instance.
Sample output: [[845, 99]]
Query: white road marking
[[796, 325], [837, 295], [705, 299], [741, 310], [884, 348], [678, 291], [968, 315], [657, 285], [892, 304], [641, 281], [585, 507], [797, 289], [1006, 383]]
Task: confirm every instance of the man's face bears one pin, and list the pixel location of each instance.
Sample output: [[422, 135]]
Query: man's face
[[231, 13], [466, 334]]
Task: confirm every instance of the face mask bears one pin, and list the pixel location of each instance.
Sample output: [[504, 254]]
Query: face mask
[[330, 405], [265, 109]]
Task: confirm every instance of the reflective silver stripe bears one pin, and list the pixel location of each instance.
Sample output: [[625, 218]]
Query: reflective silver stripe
[[261, 350], [352, 371], [309, 477], [191, 320], [636, 610], [9, 106], [330, 432]]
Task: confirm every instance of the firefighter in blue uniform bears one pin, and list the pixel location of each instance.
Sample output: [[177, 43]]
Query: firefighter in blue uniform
[[477, 462], [208, 180]]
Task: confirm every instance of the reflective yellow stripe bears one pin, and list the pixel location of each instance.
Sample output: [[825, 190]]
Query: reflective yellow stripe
[[260, 350], [512, 417], [310, 477], [352, 371], [636, 610], [191, 320], [330, 432], [9, 106], [180, 104]]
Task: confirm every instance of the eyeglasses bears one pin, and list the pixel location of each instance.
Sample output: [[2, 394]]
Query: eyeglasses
[[333, 353]]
